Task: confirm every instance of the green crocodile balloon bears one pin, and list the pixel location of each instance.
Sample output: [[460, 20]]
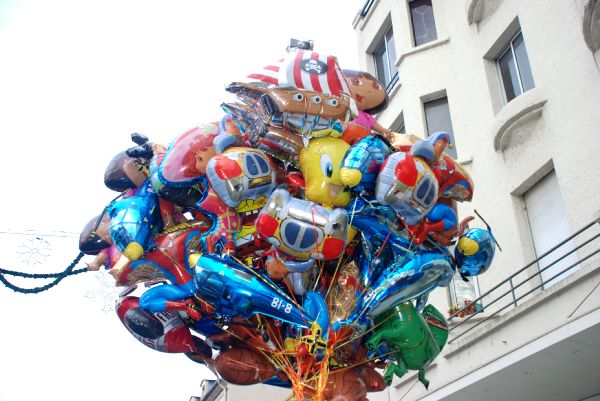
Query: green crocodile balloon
[[415, 339]]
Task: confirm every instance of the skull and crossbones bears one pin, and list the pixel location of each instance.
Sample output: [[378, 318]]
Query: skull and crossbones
[[312, 65]]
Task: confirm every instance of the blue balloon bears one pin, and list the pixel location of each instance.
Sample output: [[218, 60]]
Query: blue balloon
[[393, 269], [474, 251], [134, 221], [362, 161], [233, 291]]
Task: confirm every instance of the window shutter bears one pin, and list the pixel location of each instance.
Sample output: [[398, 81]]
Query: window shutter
[[549, 226]]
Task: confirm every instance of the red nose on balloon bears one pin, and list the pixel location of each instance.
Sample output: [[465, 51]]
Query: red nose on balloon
[[406, 171], [227, 168], [266, 225], [332, 248]]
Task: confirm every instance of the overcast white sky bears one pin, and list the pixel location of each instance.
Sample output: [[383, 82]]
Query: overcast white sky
[[76, 79]]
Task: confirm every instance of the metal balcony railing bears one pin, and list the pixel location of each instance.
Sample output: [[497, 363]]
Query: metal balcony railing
[[514, 283]]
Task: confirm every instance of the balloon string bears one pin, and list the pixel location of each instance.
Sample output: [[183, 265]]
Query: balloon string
[[363, 362], [332, 281], [340, 258], [312, 210], [285, 280], [362, 334], [373, 264], [399, 263], [264, 280], [387, 237]]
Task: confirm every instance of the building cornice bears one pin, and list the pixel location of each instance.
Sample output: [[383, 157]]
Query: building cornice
[[523, 108]]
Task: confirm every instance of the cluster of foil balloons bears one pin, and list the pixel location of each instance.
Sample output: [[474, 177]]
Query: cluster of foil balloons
[[294, 242]]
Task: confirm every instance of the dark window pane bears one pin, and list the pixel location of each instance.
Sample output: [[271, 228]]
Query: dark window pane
[[437, 115], [508, 72], [385, 59], [423, 22], [523, 63], [401, 129], [391, 49], [380, 64]]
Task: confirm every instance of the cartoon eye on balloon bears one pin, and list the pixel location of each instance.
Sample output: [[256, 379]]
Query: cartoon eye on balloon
[[326, 165], [333, 102]]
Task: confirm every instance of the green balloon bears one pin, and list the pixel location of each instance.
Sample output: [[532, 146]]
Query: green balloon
[[415, 339]]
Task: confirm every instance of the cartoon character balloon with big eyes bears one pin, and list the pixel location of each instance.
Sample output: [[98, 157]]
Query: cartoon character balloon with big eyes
[[371, 98], [320, 163]]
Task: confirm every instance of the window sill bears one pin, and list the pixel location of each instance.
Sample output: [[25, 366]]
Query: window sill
[[523, 108], [419, 49]]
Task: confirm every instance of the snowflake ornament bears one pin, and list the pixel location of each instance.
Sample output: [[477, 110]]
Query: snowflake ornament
[[107, 291], [34, 251]]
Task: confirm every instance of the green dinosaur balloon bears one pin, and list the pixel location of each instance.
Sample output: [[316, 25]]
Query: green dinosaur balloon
[[415, 339]]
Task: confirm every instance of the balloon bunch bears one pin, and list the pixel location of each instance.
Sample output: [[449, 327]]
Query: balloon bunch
[[295, 236]]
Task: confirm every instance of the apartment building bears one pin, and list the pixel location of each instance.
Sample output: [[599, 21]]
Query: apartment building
[[517, 85]]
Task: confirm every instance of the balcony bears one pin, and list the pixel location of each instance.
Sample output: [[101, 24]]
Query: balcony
[[528, 337]]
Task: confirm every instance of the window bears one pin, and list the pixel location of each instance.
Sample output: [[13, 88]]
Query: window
[[549, 226], [437, 116], [462, 293], [398, 124], [385, 61], [423, 23], [515, 72]]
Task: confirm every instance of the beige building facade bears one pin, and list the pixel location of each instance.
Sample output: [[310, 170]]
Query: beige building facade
[[517, 84]]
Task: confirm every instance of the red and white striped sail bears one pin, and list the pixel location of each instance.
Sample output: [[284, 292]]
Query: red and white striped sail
[[305, 70]]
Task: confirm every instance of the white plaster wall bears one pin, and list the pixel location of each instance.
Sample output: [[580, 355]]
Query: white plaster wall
[[564, 136]]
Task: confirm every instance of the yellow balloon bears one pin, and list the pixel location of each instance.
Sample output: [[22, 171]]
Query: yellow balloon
[[320, 163], [467, 246]]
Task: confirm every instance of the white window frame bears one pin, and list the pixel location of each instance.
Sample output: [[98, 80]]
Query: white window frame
[[510, 47], [391, 64]]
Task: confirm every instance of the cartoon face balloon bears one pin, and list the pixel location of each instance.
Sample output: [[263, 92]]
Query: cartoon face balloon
[[302, 229], [241, 174], [186, 160], [408, 185], [320, 163]]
